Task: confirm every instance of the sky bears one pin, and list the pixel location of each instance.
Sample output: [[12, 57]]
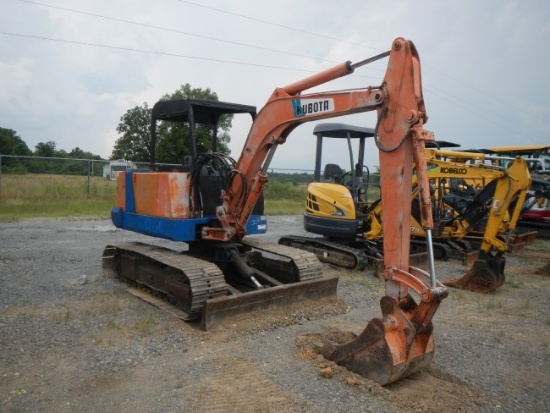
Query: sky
[[71, 69]]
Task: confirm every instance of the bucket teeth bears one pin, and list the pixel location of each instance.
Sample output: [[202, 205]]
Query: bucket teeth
[[486, 275], [389, 348]]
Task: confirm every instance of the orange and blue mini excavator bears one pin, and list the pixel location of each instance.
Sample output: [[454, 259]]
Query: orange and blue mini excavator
[[224, 271]]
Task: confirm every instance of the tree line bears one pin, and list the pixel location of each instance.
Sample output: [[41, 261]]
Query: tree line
[[12, 144], [133, 144]]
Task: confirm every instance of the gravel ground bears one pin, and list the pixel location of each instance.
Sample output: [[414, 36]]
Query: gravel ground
[[73, 340]]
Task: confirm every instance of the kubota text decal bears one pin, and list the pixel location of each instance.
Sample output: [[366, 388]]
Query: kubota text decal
[[306, 107]]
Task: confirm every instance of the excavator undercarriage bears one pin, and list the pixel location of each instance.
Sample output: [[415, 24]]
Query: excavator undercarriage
[[212, 284]]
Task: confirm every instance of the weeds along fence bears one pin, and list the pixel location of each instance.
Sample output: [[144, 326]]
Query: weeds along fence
[[71, 178], [26, 178], [83, 177]]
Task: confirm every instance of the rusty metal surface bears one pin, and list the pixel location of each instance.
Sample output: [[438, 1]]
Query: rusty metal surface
[[390, 348], [305, 263], [401, 342], [185, 280], [469, 258], [485, 276], [419, 260], [217, 309], [521, 240]]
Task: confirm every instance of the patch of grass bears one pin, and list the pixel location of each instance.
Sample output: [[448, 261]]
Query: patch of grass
[[538, 244], [144, 327], [514, 282], [35, 195], [61, 314], [527, 304], [284, 206], [457, 294], [494, 304], [111, 324], [285, 190], [373, 287], [85, 208], [53, 196]]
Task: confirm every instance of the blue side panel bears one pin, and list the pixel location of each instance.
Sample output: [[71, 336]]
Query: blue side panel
[[172, 229], [116, 217], [257, 224], [184, 230], [129, 191]]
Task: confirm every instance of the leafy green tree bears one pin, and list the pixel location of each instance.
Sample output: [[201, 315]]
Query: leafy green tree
[[45, 149], [78, 153], [12, 144], [172, 137], [135, 142], [79, 167]]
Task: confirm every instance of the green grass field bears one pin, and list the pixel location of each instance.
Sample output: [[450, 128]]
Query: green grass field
[[31, 196]]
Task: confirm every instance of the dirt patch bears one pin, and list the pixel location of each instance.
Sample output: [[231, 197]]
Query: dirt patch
[[237, 385], [533, 254], [431, 390], [544, 270], [273, 318], [536, 255]]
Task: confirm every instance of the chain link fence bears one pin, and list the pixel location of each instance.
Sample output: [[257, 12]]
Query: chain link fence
[[93, 171], [97, 169]]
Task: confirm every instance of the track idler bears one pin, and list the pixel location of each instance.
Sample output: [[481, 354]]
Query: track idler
[[485, 275]]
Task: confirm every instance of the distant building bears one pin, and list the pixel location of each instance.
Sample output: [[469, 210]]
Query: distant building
[[111, 170]]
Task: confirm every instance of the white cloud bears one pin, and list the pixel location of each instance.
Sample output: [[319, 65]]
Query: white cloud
[[484, 63]]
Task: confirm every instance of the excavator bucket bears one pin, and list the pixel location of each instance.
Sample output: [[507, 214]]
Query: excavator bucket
[[390, 348], [485, 275]]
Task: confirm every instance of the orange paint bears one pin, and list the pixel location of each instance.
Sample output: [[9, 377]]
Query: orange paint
[[121, 192], [163, 194]]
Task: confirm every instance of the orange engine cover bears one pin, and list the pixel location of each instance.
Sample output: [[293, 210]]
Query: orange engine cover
[[158, 194]]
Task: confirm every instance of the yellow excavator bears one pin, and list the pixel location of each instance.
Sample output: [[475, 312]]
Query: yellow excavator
[[213, 202], [474, 202], [537, 217], [339, 204]]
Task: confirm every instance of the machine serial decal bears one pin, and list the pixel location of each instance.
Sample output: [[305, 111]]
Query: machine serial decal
[[306, 107]]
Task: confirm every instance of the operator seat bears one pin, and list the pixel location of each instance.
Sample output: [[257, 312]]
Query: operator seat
[[333, 173]]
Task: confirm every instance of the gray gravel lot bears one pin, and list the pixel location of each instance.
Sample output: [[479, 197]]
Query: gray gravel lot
[[73, 340]]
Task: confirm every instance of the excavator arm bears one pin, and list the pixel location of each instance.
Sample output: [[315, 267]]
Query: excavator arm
[[401, 342], [398, 101]]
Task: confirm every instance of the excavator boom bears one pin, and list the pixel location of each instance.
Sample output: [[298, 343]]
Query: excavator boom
[[401, 342]]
